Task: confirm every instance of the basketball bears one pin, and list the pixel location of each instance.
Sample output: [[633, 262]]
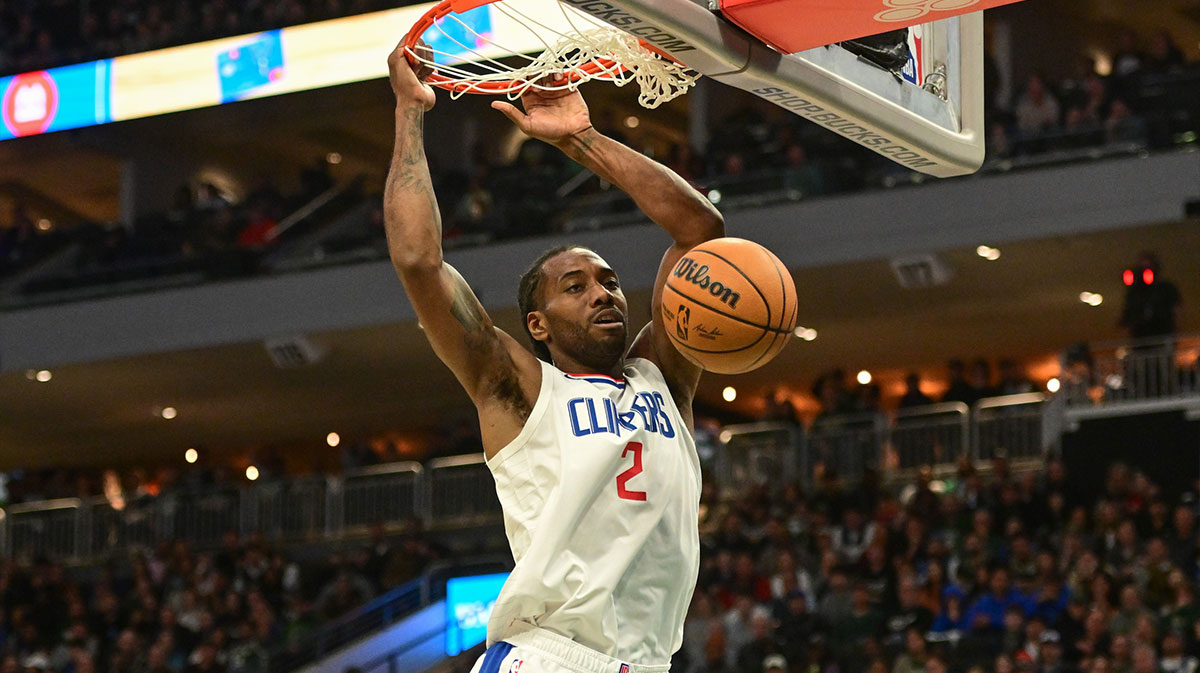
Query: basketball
[[729, 305]]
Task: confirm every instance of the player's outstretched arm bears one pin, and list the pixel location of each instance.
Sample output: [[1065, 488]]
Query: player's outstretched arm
[[561, 119], [500, 375]]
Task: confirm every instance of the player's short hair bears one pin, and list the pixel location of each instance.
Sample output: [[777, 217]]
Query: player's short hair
[[527, 295]]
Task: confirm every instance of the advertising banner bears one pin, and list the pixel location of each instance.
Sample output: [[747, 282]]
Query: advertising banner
[[55, 99], [469, 602]]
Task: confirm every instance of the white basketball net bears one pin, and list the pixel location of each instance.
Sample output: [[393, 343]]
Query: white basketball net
[[568, 47]]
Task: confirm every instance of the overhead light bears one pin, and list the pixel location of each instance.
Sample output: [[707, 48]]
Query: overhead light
[[334, 158], [333, 439], [632, 122], [169, 413], [1091, 298], [191, 455], [44, 225], [864, 377], [725, 436], [1053, 385], [806, 333], [714, 196], [987, 252], [729, 394], [252, 473], [40, 375]]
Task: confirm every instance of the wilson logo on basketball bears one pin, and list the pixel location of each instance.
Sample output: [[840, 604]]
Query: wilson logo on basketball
[[697, 274]]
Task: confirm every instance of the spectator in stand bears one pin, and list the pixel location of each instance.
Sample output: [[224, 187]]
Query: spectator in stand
[[915, 654], [753, 656], [868, 398], [853, 537], [1183, 542], [1127, 63], [797, 625], [1122, 126], [1174, 658], [908, 615], [1037, 108], [980, 380], [778, 407], [986, 614], [855, 633], [800, 174], [1152, 302], [913, 397], [957, 388], [1013, 380], [830, 390]]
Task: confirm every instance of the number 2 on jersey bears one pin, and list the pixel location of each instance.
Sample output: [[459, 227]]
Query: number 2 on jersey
[[622, 491]]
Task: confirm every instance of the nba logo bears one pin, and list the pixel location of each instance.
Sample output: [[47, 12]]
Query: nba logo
[[624, 668], [682, 317]]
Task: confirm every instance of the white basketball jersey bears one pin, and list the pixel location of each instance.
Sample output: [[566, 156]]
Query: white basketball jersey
[[601, 493]]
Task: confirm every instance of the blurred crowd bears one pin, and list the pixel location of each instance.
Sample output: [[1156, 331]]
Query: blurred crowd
[[39, 35], [177, 610], [205, 230], [1143, 97], [994, 573]]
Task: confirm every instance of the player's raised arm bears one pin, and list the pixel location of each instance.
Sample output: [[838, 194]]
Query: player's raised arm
[[561, 119], [501, 377]]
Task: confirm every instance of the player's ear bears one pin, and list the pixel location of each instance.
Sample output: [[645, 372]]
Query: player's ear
[[536, 322]]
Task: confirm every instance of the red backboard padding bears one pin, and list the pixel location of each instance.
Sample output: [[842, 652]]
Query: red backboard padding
[[790, 26]]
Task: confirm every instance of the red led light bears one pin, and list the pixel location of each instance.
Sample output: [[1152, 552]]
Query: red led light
[[1128, 276], [1148, 276]]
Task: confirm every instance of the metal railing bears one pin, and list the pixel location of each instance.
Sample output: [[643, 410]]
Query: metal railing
[[295, 509], [894, 445], [936, 434], [461, 491], [846, 445], [1139, 371], [50, 528], [1011, 423], [382, 493], [758, 453]]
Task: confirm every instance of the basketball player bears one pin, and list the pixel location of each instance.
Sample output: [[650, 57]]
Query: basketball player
[[590, 442]]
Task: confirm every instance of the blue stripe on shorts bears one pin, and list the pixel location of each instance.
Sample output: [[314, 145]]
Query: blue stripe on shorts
[[494, 655]]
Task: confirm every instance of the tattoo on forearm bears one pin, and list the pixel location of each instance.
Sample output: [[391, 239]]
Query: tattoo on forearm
[[581, 142], [409, 171], [408, 161]]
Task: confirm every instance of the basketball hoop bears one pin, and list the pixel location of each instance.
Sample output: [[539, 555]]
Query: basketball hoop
[[576, 48]]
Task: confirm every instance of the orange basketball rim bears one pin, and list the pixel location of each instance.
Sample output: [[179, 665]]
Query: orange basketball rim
[[576, 48]]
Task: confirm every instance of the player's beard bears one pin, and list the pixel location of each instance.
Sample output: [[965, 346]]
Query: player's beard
[[577, 341]]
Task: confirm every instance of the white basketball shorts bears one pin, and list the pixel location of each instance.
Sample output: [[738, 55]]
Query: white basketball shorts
[[541, 651]]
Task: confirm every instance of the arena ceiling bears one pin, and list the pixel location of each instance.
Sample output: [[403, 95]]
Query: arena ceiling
[[1024, 305]]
